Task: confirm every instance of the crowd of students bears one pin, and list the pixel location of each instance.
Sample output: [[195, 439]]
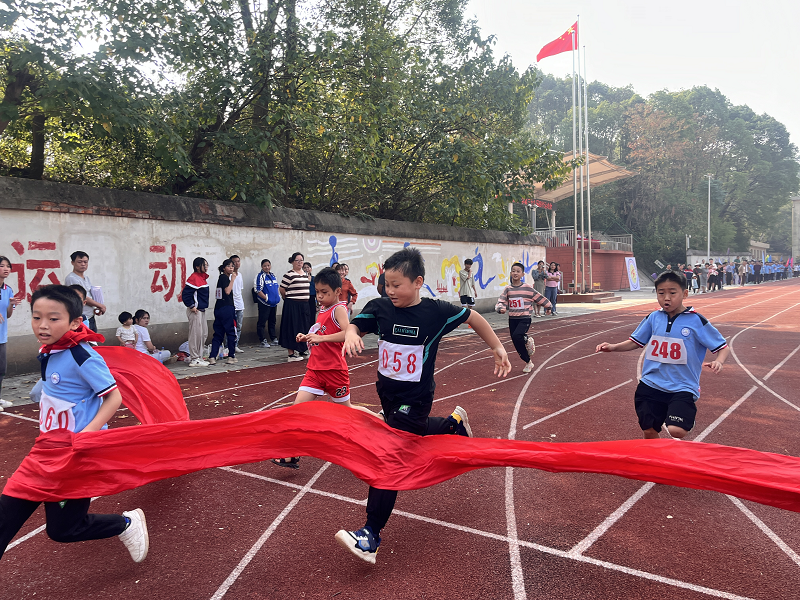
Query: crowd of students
[[714, 276]]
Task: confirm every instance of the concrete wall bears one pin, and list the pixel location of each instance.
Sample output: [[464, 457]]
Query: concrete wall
[[141, 248]]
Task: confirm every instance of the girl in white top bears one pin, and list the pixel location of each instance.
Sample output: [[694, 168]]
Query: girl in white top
[[141, 320]]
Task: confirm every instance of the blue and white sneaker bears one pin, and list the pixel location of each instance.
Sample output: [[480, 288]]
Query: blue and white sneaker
[[459, 415], [363, 543]]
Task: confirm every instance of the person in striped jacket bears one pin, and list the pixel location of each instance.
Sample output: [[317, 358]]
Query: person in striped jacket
[[517, 300]]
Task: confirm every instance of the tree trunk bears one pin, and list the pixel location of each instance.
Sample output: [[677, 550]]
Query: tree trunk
[[35, 169], [17, 81]]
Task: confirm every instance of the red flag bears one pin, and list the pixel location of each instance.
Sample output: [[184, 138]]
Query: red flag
[[561, 44]]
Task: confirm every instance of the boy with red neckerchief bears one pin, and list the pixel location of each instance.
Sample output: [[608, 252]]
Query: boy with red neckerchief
[[78, 394]]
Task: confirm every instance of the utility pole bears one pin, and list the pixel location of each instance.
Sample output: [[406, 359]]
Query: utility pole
[[708, 238]]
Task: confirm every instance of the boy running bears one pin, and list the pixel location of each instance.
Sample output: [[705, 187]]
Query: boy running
[[327, 368], [79, 394], [409, 328], [676, 339], [518, 299]]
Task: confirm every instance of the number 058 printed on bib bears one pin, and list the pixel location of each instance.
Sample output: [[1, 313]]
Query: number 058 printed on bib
[[400, 362]]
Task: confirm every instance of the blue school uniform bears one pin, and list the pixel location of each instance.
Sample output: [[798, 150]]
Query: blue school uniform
[[675, 349], [74, 384], [6, 293]]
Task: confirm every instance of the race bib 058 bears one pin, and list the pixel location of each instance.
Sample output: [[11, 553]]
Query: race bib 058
[[666, 350], [400, 362]]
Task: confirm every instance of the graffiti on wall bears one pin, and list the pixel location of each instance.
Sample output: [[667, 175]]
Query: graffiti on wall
[[165, 273], [37, 268]]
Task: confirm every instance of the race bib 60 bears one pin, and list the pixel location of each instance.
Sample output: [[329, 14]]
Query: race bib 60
[[401, 362], [55, 414], [666, 350]]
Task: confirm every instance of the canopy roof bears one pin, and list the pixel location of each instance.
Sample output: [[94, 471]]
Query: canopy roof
[[601, 171]]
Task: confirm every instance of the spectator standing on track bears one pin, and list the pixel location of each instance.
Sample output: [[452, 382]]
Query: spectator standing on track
[[729, 270], [704, 277], [410, 328], [79, 394], [266, 287], [327, 367], [518, 300], [126, 332], [689, 274], [466, 290], [539, 279], [224, 314], [141, 320], [7, 305], [757, 271], [741, 271], [296, 317], [712, 277], [676, 339], [238, 300], [80, 263], [312, 291], [552, 281], [196, 298], [349, 295]]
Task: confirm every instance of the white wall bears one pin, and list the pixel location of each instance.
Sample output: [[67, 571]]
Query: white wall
[[125, 254]]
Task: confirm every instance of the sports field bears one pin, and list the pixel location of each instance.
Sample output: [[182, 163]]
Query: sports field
[[260, 531]]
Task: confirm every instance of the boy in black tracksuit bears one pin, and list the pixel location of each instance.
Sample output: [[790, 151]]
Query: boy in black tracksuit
[[409, 328]]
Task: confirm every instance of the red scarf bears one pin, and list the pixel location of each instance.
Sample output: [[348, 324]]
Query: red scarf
[[73, 338]]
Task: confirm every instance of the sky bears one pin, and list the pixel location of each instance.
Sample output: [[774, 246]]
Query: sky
[[746, 49]]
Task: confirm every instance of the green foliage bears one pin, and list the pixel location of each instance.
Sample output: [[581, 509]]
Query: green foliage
[[672, 140], [389, 109]]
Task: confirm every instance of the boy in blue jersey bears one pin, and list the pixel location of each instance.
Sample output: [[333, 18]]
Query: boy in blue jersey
[[78, 394], [676, 339], [409, 328]]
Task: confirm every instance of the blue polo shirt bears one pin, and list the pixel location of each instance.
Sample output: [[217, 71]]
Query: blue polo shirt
[[75, 382], [6, 293], [675, 349]]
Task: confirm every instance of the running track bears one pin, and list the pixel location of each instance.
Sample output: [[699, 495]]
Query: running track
[[259, 531]]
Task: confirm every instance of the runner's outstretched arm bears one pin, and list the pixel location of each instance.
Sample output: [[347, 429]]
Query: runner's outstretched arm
[[502, 366]]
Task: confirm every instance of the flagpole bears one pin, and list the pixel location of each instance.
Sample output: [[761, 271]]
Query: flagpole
[[580, 151], [574, 181], [588, 186]]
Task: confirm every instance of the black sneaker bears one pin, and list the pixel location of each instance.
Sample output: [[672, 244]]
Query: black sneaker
[[459, 415], [363, 543]]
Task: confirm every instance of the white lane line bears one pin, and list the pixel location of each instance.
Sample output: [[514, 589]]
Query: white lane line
[[16, 416], [505, 539], [746, 370], [780, 364], [517, 574], [226, 585], [572, 361], [571, 406], [584, 544], [610, 520], [470, 390], [239, 387], [766, 530], [707, 431]]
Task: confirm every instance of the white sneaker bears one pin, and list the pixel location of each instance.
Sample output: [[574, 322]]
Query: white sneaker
[[275, 342], [530, 345], [294, 358], [197, 362], [6, 403], [238, 350], [528, 368], [265, 344], [135, 537]]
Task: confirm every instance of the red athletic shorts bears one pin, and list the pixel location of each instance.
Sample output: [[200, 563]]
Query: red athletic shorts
[[336, 383]]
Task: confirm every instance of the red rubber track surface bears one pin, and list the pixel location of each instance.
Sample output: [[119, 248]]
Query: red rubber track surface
[[260, 531]]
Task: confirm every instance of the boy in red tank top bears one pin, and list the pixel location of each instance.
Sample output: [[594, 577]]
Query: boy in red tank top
[[327, 369]]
